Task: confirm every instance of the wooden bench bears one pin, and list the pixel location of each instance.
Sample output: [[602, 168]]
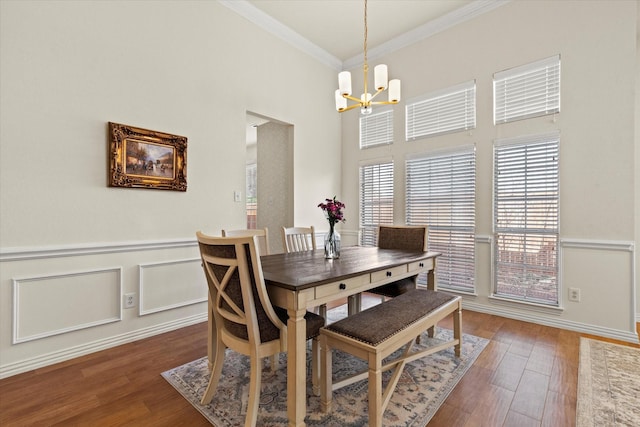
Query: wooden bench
[[376, 333]]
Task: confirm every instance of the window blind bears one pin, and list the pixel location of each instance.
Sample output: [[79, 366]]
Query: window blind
[[526, 218], [441, 192], [376, 200], [376, 129], [527, 91], [447, 110]]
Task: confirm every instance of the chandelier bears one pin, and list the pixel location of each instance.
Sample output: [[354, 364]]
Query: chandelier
[[381, 81]]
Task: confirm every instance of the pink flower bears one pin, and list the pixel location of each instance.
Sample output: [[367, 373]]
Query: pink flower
[[333, 210]]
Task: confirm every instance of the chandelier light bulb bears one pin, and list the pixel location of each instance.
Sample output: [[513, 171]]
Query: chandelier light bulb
[[380, 76]]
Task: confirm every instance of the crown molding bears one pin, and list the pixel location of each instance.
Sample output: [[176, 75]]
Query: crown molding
[[275, 27], [472, 10]]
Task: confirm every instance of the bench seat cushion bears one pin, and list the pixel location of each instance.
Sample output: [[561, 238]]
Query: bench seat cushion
[[380, 322]]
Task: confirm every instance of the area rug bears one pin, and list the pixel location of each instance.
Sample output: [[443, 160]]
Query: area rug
[[424, 385], [608, 385]]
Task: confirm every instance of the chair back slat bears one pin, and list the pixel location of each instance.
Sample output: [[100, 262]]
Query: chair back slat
[[410, 237], [261, 233], [297, 239]]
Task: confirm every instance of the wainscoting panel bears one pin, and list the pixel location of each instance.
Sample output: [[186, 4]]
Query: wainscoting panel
[[58, 303], [171, 284]]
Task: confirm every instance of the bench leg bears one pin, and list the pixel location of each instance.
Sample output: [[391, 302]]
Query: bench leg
[[326, 380], [375, 391]]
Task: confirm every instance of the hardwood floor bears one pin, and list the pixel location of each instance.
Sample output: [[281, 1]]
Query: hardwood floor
[[526, 376]]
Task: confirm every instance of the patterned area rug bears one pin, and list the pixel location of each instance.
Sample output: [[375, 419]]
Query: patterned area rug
[[608, 385], [424, 385]]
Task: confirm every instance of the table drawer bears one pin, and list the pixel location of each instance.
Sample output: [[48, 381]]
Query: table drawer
[[388, 274], [342, 286], [424, 265]]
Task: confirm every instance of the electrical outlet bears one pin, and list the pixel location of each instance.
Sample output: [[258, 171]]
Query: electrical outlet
[[574, 294], [237, 196], [129, 300]]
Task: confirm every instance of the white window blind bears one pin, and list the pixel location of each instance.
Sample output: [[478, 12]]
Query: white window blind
[[527, 91], [526, 218], [376, 200], [441, 193], [376, 129], [447, 110]]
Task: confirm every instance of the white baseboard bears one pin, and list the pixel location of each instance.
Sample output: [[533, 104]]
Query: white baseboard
[[73, 352], [555, 323]]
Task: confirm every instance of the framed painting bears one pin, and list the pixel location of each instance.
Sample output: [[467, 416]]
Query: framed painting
[[142, 158]]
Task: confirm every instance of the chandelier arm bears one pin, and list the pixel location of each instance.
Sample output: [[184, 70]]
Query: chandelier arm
[[376, 94], [350, 107], [352, 98], [384, 102]]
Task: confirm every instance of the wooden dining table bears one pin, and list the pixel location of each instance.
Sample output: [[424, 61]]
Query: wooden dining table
[[302, 280]]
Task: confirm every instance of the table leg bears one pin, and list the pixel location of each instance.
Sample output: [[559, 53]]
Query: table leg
[[296, 368], [432, 285]]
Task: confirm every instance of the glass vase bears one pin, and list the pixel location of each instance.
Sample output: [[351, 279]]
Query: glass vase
[[332, 244]]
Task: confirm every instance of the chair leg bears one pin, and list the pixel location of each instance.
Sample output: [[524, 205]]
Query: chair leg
[[254, 393], [322, 310], [315, 366], [216, 372], [326, 381]]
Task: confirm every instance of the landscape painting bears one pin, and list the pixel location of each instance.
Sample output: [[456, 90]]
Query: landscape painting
[[142, 158]]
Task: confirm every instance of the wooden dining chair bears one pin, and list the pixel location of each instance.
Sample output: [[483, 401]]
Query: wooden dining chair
[[406, 237], [296, 239], [262, 233], [245, 320]]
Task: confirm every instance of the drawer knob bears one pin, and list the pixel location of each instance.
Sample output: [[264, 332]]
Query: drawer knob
[[421, 264], [342, 286], [388, 274]]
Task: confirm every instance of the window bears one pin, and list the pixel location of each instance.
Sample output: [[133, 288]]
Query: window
[[448, 110], [526, 218], [376, 200], [376, 129], [441, 192], [527, 91], [252, 196]]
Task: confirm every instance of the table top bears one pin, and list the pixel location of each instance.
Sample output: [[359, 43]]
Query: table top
[[302, 270]]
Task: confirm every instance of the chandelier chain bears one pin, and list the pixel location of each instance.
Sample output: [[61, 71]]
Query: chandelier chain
[[365, 31]]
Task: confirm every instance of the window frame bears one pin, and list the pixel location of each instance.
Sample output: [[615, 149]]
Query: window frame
[[448, 110], [448, 190], [527, 91], [530, 262], [375, 208], [381, 124]]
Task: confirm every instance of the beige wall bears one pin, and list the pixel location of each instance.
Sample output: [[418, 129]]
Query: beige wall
[[70, 245], [598, 143]]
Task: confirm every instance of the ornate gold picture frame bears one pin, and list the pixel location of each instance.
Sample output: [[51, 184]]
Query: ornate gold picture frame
[[142, 158]]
